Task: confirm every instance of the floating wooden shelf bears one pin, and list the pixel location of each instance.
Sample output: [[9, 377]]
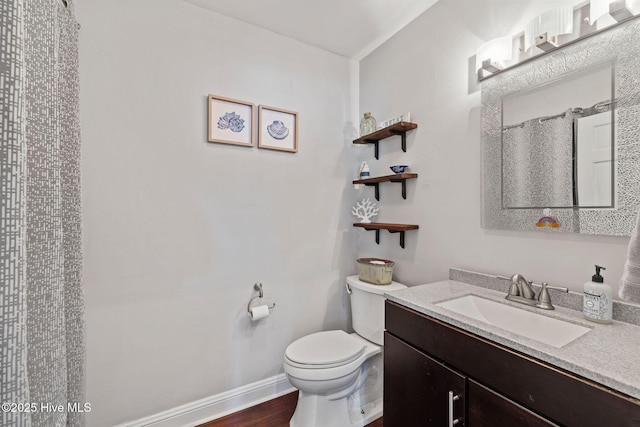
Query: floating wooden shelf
[[392, 228], [396, 177], [400, 128]]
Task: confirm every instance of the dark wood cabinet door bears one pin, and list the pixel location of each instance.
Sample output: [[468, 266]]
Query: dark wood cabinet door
[[416, 388], [487, 408]]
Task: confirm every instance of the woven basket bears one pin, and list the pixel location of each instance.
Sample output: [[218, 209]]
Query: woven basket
[[376, 274]]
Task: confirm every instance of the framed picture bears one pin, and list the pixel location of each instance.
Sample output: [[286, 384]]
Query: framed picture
[[278, 129], [230, 121]]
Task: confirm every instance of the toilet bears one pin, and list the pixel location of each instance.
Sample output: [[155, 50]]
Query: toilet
[[340, 375]]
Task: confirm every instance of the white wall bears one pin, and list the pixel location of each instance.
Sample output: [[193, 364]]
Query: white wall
[[425, 69], [177, 230]]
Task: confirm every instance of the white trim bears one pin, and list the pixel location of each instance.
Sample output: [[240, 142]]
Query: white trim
[[217, 406]]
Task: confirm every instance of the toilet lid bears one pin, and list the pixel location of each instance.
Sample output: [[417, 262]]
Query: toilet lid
[[325, 348], [354, 282]]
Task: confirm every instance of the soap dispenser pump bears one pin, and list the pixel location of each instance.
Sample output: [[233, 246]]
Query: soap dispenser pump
[[598, 299]]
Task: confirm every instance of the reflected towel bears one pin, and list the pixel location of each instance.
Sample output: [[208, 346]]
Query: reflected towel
[[630, 281]]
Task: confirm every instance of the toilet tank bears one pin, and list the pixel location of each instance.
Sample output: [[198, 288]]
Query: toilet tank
[[367, 307]]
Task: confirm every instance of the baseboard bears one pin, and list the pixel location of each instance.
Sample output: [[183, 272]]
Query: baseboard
[[217, 406]]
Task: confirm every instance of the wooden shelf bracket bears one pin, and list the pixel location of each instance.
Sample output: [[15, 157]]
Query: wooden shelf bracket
[[400, 128], [398, 177], [392, 228]]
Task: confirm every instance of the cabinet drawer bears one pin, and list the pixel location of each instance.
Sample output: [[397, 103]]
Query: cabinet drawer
[[563, 397]]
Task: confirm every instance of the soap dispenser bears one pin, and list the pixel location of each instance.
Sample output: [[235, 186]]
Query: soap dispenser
[[598, 299]]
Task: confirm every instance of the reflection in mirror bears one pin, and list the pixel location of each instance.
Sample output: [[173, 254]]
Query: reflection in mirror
[[557, 142], [595, 151], [550, 142]]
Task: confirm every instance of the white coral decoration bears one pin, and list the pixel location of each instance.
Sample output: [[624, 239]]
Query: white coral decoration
[[365, 210]]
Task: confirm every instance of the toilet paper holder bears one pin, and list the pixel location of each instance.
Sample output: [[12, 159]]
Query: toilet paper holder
[[258, 287]]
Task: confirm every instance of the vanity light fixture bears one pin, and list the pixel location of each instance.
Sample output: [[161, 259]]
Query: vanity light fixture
[[543, 42], [598, 9], [492, 54], [551, 30], [543, 30], [618, 9]]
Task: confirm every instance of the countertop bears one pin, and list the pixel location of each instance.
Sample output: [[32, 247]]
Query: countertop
[[608, 354]]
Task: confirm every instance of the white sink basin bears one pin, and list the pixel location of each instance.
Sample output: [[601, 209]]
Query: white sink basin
[[548, 330]]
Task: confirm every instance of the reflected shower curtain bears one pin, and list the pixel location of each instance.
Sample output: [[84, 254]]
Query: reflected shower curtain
[[537, 162], [41, 296]]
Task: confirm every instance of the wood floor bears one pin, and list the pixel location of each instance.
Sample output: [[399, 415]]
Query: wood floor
[[273, 413]]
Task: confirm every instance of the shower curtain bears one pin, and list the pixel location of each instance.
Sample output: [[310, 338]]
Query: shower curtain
[[538, 162], [41, 295]]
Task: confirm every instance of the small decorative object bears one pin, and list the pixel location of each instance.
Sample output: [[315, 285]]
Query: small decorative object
[[367, 124], [278, 129], [365, 210], [399, 168], [406, 117], [547, 220], [230, 121], [375, 271], [364, 171]]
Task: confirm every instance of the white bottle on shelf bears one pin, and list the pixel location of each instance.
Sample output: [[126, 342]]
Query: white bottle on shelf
[[364, 171]]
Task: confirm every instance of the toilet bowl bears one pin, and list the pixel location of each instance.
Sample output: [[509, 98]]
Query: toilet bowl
[[340, 375]]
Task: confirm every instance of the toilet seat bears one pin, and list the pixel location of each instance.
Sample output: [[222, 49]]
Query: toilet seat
[[322, 350], [334, 370]]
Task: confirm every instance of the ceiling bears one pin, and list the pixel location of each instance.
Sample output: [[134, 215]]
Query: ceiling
[[352, 28]]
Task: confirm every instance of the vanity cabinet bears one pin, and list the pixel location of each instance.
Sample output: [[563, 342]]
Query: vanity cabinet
[[425, 359], [421, 391]]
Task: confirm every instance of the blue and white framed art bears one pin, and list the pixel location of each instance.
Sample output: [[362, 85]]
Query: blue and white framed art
[[278, 129], [230, 121]]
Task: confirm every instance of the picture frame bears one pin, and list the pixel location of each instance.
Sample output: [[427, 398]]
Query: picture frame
[[278, 129], [231, 121]]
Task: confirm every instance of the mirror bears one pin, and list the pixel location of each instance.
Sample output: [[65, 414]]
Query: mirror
[[553, 139]]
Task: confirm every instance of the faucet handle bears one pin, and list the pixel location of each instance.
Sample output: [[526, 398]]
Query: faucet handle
[[545, 299]]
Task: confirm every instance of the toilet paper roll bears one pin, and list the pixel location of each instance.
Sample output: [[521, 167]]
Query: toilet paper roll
[[259, 312]]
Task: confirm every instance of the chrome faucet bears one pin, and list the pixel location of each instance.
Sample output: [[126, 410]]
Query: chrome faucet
[[521, 291]]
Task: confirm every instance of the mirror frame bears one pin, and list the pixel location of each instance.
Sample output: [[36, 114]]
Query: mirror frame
[[619, 45]]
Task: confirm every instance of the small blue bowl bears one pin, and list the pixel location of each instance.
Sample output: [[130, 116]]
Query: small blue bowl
[[399, 168]]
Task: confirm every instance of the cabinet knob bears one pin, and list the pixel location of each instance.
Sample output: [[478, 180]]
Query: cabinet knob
[[452, 398]]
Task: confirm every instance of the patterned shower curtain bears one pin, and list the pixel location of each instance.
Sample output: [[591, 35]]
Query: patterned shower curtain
[[537, 162], [41, 296]]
